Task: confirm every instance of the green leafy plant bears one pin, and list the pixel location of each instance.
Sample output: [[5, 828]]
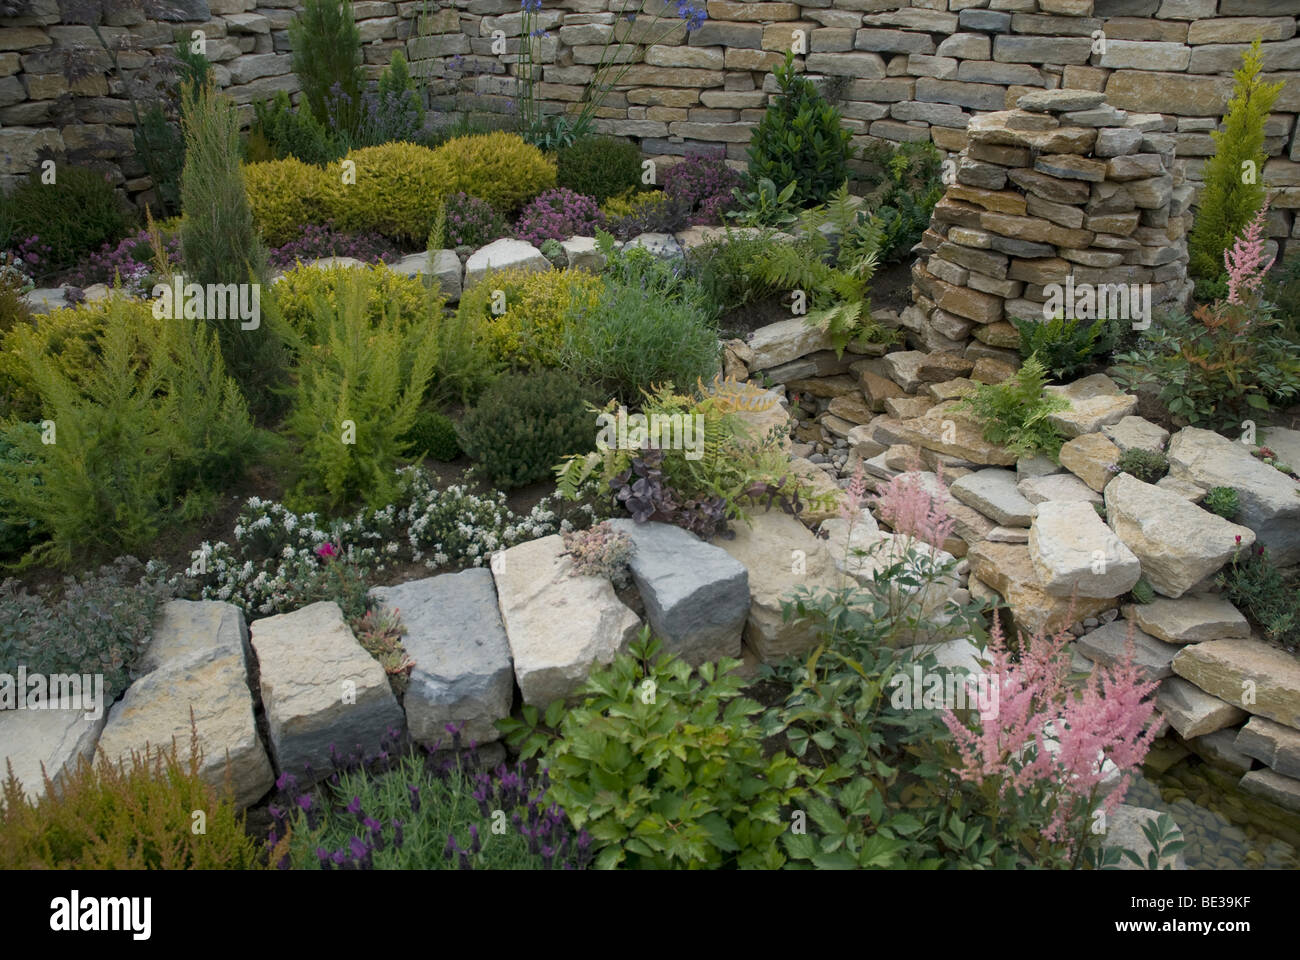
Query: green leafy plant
[[800, 140], [726, 268], [100, 622], [665, 766], [1015, 412], [524, 422], [599, 167], [765, 205], [1064, 346], [1225, 364], [1229, 199], [1253, 582], [1146, 465], [1165, 841], [326, 47], [1222, 500], [836, 284], [361, 383], [134, 816], [1143, 591], [909, 186]]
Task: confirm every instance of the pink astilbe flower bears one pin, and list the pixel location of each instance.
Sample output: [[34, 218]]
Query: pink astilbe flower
[[1109, 720], [913, 511], [1244, 259], [851, 506]]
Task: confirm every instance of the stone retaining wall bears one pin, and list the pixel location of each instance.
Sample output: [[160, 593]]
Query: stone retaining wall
[[903, 71], [1068, 191]]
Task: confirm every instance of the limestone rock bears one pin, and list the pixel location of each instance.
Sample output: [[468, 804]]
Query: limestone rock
[[1057, 487], [1109, 644], [443, 265], [504, 254], [1124, 832], [696, 595], [1178, 543], [1136, 432], [780, 554], [1284, 791], [1193, 712], [1190, 619], [1006, 568], [56, 740], [559, 623], [1268, 677], [1273, 743], [1074, 552], [784, 341], [320, 688], [1270, 500], [462, 674], [1089, 458], [993, 493]]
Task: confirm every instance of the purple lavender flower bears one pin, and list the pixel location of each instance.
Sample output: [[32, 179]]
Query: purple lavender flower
[[475, 845], [354, 808], [397, 834], [323, 856], [415, 797], [361, 853], [286, 783]]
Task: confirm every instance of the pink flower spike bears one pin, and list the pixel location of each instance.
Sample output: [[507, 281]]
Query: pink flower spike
[[1244, 260]]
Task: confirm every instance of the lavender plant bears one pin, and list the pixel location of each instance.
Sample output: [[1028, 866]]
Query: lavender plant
[[422, 810]]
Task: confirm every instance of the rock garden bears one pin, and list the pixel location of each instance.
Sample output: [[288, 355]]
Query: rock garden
[[411, 488]]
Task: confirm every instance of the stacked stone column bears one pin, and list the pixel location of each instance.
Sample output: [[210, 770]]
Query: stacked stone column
[[1065, 186]]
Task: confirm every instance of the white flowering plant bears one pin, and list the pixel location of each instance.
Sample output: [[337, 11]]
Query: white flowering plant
[[281, 560]]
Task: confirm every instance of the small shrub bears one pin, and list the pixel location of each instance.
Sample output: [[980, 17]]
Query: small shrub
[[705, 184], [130, 263], [17, 534], [434, 435], [149, 426], [631, 340], [136, 816], [280, 132], [471, 222], [524, 423], [726, 269], [285, 196], [599, 167], [361, 382], [1014, 412], [701, 791], [392, 111], [1222, 500], [558, 215], [648, 212], [326, 47], [75, 215], [1228, 201], [398, 191], [497, 167], [1146, 465], [101, 622], [1282, 288], [601, 551], [1257, 587], [13, 308], [219, 242], [530, 333], [1064, 346], [800, 140]]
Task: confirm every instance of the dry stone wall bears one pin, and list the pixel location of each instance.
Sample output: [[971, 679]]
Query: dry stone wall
[[899, 71], [1065, 206]]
